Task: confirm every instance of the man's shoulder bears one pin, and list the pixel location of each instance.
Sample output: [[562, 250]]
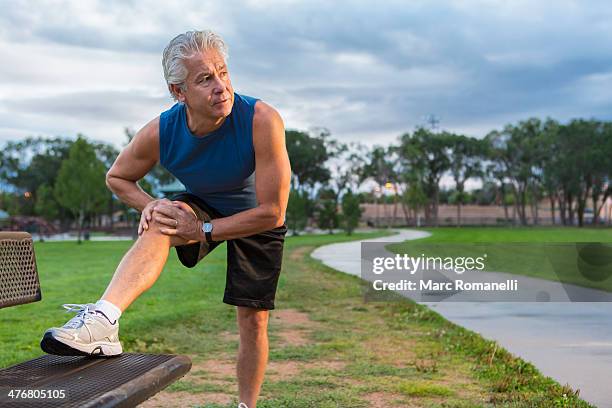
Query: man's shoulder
[[268, 127], [265, 114], [172, 111], [150, 131]]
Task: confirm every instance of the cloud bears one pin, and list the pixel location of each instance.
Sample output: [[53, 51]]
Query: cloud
[[366, 73]]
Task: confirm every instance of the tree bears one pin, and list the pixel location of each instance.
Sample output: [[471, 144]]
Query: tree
[[327, 210], [328, 216], [346, 163], [578, 167], [602, 183], [426, 157], [466, 158], [46, 205], [297, 211], [519, 151], [379, 166], [413, 199], [308, 155], [30, 163], [351, 212], [80, 186]]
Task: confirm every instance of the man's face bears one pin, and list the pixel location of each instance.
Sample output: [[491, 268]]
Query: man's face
[[209, 90]]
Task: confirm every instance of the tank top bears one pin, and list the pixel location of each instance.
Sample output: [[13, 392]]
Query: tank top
[[219, 168]]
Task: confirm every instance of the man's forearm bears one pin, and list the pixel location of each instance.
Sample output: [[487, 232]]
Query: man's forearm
[[129, 192], [246, 223]]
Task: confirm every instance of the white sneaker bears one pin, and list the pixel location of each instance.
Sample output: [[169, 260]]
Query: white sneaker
[[242, 405], [87, 334]]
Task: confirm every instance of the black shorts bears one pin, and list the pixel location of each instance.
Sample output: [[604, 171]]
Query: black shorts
[[253, 262]]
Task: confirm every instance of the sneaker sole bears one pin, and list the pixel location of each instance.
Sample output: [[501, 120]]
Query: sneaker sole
[[51, 345]]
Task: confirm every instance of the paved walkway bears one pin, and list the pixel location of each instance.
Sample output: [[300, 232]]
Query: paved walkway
[[570, 342]]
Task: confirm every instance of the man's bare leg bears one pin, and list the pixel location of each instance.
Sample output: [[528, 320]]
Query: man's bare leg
[[140, 266], [252, 353]]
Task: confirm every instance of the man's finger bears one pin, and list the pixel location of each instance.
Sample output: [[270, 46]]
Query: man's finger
[[167, 210], [168, 231], [166, 221], [183, 206]]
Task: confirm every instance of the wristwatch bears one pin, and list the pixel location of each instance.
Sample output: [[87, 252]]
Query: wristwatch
[[207, 228]]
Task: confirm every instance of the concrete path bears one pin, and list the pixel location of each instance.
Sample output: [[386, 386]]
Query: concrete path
[[570, 342]]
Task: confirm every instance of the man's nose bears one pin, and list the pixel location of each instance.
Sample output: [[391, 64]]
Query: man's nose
[[219, 85]]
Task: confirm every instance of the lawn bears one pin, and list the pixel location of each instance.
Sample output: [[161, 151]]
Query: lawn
[[328, 347], [582, 256]]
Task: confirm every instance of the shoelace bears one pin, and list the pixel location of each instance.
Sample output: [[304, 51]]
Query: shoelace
[[83, 315]]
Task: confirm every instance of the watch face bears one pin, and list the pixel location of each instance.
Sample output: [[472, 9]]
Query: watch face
[[208, 227]]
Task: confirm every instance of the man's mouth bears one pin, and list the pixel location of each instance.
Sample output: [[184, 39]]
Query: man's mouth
[[223, 101]]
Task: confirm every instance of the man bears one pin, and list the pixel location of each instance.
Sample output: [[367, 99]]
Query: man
[[229, 151]]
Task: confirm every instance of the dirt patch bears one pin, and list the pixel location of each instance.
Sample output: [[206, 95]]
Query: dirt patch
[[229, 337], [293, 337], [385, 400], [285, 370], [185, 399], [393, 351], [214, 369], [290, 317], [297, 254], [294, 327], [209, 372], [328, 365], [281, 370]]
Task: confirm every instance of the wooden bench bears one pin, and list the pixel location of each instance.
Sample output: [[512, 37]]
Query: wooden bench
[[67, 381]]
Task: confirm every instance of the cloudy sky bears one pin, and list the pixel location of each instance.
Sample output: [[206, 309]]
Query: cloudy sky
[[368, 71]]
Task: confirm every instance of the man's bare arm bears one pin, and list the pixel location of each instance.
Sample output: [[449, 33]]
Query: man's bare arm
[[132, 164], [272, 180]]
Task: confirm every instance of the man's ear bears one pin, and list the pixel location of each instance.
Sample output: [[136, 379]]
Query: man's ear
[[178, 92]]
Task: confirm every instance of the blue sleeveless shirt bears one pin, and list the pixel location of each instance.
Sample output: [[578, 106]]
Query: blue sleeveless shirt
[[219, 168]]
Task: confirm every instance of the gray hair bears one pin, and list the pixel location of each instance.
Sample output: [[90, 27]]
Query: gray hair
[[184, 46]]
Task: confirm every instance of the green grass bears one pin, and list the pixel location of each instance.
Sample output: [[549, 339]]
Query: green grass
[[398, 352], [543, 252], [528, 234], [421, 389]]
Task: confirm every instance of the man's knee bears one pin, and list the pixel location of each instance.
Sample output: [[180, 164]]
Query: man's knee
[[252, 320], [155, 228]]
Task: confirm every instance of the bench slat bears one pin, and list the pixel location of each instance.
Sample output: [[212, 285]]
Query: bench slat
[[123, 381]]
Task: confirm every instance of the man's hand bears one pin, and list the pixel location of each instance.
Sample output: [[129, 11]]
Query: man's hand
[[179, 219], [147, 213]]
